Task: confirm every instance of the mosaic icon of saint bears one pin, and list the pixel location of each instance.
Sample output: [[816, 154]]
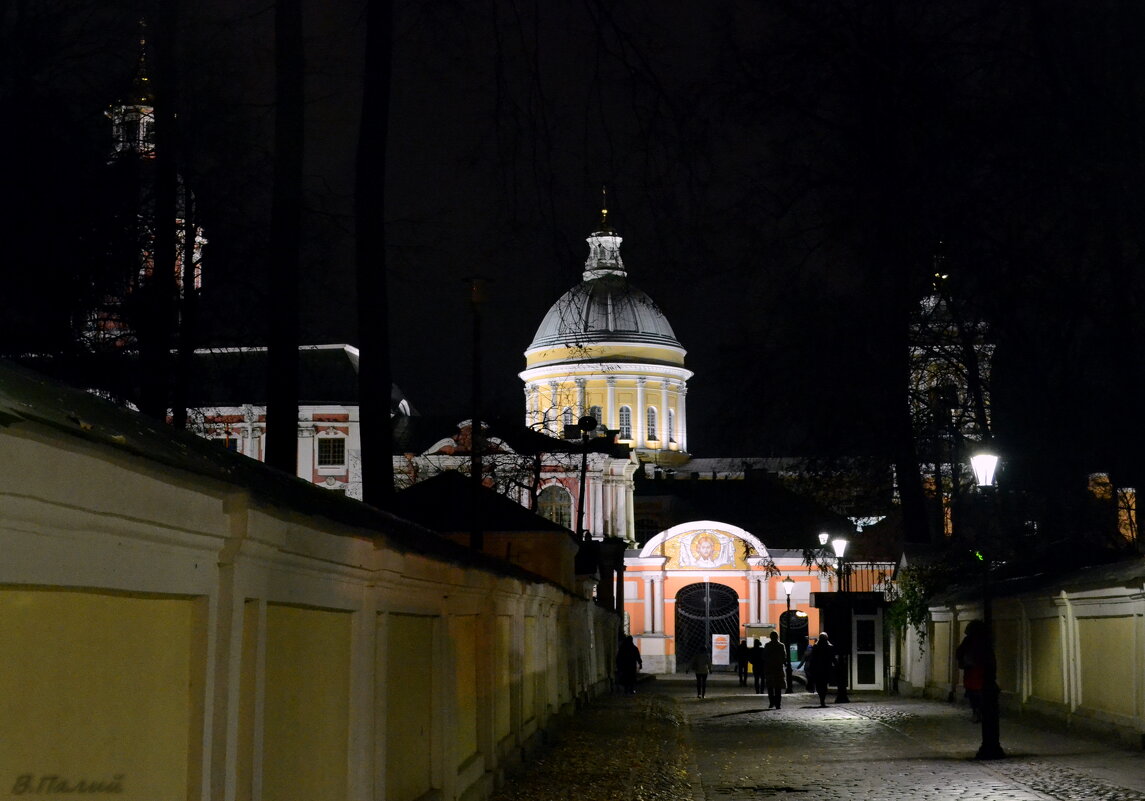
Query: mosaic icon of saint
[[706, 549]]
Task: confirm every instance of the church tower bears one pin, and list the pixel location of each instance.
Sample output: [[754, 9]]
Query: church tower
[[606, 351], [110, 323], [950, 363]]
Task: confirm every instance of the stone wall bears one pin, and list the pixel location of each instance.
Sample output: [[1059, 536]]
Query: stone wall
[[1074, 653], [170, 634]]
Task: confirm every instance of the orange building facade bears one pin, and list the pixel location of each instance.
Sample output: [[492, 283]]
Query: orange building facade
[[705, 577]]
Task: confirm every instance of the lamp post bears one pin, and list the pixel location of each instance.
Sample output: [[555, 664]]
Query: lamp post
[[984, 462], [788, 586], [586, 425], [839, 545]]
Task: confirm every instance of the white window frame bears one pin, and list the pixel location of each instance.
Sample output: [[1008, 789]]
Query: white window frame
[[625, 420], [330, 469]]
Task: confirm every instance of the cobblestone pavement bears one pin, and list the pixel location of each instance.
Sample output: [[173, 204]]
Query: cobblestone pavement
[[664, 743], [889, 748]]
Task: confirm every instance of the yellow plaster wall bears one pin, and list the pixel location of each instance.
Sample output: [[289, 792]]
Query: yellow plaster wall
[[939, 647], [1007, 648], [1107, 660], [410, 705], [98, 688], [583, 353], [502, 676], [1048, 683], [463, 633], [529, 670], [244, 763], [306, 718]]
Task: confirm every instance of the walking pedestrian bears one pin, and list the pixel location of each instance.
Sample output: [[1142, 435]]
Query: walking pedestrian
[[701, 665], [741, 662], [820, 666], [628, 661], [774, 673], [755, 656]]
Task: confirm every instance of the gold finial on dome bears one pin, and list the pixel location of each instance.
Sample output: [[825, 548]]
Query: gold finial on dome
[[604, 209]]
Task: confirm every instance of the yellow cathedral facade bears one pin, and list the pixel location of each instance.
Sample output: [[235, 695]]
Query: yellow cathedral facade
[[605, 351]]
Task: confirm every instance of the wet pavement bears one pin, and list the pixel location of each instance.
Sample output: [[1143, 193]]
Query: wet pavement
[[664, 743]]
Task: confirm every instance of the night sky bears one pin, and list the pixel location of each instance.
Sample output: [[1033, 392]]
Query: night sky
[[782, 172]]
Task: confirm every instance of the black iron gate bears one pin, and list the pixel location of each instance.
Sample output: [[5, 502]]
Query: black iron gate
[[701, 611]]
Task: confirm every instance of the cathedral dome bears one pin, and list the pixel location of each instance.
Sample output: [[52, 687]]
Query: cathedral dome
[[604, 307], [604, 350]]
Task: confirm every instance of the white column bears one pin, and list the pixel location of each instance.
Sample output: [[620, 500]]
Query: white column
[[596, 508], [752, 600], [765, 601], [608, 507], [555, 406], [682, 417], [658, 604], [649, 601], [640, 416], [580, 398], [610, 414]]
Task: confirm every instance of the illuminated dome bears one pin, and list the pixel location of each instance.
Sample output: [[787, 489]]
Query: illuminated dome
[[604, 307], [606, 351]]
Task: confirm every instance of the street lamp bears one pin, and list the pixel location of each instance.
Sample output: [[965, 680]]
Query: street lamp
[[788, 586], [839, 545], [984, 462], [587, 425]]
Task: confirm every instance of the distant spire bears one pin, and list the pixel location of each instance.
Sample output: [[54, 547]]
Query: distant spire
[[133, 120], [940, 273], [141, 83]]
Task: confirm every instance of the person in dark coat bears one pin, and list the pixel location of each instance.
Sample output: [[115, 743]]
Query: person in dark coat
[[820, 667], [741, 662], [973, 655], [755, 656], [701, 665], [628, 661], [774, 670]]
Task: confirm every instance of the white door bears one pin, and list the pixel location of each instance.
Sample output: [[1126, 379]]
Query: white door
[[867, 661]]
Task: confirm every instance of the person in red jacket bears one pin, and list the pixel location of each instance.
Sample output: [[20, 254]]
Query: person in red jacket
[[973, 655]]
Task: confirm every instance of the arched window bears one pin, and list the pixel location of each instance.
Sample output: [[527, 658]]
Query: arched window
[[596, 414], [671, 425], [652, 423], [554, 503], [625, 423]]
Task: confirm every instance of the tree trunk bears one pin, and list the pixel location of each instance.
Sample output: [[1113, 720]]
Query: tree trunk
[[286, 219], [374, 381], [157, 320]]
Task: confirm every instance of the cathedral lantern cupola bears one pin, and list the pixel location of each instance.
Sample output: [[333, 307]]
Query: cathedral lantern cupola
[[605, 350]]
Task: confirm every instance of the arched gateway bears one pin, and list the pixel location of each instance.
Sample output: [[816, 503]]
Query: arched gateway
[[693, 580], [702, 610]]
